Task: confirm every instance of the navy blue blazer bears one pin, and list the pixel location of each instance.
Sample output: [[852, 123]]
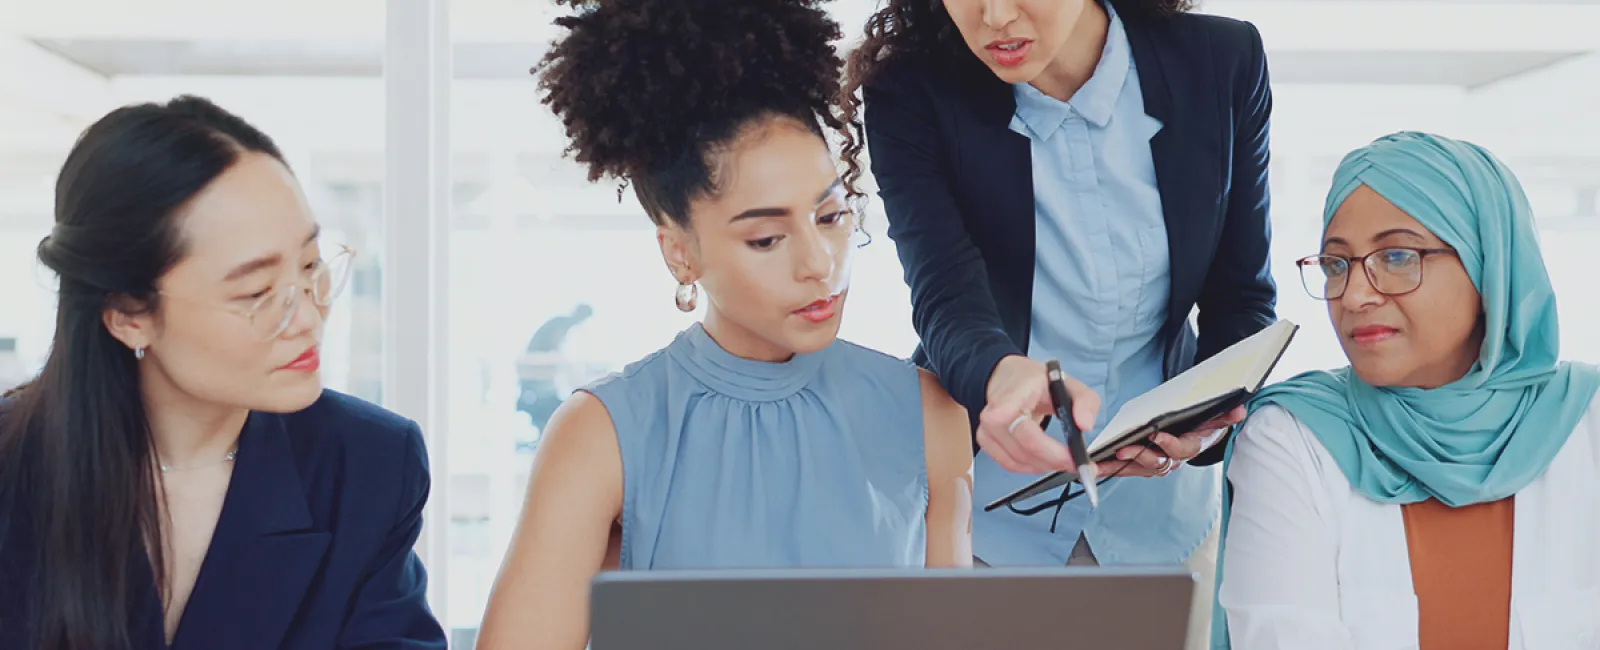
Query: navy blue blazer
[[313, 548], [957, 187]]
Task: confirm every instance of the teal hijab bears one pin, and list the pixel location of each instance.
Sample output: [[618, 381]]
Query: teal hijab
[[1492, 432]]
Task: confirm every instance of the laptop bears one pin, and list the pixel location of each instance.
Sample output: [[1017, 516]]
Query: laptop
[[921, 609]]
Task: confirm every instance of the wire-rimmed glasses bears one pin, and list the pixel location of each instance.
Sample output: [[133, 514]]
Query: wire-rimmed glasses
[[270, 314], [1391, 271]]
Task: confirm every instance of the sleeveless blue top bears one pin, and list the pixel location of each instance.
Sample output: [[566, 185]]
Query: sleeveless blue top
[[732, 463]]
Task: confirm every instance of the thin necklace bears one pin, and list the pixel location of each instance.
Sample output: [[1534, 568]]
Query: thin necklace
[[232, 453]]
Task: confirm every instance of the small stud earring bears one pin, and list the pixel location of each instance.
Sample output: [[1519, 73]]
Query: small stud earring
[[688, 294], [138, 353]]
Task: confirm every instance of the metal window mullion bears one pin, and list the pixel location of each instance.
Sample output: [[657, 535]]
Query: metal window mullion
[[415, 270]]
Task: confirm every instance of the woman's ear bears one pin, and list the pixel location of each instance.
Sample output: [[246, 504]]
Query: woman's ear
[[676, 252], [128, 321]]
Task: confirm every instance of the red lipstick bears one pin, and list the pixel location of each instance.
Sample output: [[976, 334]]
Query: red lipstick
[[1010, 52], [1372, 334], [308, 361], [819, 311]]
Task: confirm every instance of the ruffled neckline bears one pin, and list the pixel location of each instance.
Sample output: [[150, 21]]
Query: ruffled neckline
[[739, 378]]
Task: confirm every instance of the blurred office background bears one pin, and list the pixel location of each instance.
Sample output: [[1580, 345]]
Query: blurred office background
[[547, 282]]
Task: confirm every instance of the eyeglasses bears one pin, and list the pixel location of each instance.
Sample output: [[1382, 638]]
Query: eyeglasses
[[270, 315], [1391, 271]]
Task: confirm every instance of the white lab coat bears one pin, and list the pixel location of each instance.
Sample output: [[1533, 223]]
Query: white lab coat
[[1309, 564]]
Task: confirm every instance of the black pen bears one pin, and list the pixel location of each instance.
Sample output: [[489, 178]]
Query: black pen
[[1087, 473]]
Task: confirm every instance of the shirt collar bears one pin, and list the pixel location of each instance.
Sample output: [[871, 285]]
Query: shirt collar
[[1095, 100]]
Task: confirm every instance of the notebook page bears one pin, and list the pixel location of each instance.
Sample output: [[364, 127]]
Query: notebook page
[[1283, 333], [1142, 409], [1238, 367]]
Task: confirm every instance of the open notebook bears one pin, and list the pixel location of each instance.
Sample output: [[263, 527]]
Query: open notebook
[[1207, 390]]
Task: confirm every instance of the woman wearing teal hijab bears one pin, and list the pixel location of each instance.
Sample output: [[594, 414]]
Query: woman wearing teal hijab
[[1384, 505]]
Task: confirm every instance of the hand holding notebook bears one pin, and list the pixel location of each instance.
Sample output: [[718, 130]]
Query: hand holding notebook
[[1164, 451], [1183, 403]]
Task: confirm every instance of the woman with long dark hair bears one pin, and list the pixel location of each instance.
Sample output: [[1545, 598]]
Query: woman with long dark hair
[[756, 438], [176, 476], [1069, 179]]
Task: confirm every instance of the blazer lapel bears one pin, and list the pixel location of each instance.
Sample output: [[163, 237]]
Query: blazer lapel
[[263, 554], [1000, 167], [1188, 173]]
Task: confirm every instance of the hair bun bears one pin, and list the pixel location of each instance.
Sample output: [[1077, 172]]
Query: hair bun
[[639, 84]]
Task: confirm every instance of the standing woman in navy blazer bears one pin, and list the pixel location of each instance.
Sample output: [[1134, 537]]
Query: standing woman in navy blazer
[[176, 476], [1068, 179]]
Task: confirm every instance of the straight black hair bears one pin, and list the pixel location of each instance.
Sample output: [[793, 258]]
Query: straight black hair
[[76, 452]]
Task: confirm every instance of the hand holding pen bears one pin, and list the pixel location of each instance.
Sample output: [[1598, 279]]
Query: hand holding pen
[[1061, 401], [1018, 399]]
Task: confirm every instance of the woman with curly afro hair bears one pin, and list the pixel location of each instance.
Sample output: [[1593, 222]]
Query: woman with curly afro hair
[[1069, 179], [755, 438]]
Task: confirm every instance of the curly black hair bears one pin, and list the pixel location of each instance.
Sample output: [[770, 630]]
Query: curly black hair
[[905, 30], [651, 91]]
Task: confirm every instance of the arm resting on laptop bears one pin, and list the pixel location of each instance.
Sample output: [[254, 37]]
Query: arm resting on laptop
[[540, 600]]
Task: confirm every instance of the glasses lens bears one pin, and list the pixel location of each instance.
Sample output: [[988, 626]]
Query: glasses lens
[[271, 314], [331, 277], [1323, 276], [1395, 270]]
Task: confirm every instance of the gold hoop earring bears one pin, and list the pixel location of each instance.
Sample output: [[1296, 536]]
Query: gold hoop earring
[[687, 295]]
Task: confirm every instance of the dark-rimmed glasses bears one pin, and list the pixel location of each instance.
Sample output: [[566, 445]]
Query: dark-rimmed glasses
[[1391, 271]]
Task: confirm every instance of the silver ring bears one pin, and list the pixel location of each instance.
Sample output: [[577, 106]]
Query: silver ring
[[1020, 419], [1167, 465]]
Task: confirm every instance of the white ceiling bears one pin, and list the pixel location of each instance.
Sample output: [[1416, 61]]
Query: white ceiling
[[1455, 65], [1464, 69], [114, 58], [65, 62], [1464, 43]]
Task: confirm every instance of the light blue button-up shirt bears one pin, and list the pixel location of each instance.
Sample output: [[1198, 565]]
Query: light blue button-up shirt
[[1100, 284]]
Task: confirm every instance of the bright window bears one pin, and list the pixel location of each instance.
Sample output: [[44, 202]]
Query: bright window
[[529, 241]]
